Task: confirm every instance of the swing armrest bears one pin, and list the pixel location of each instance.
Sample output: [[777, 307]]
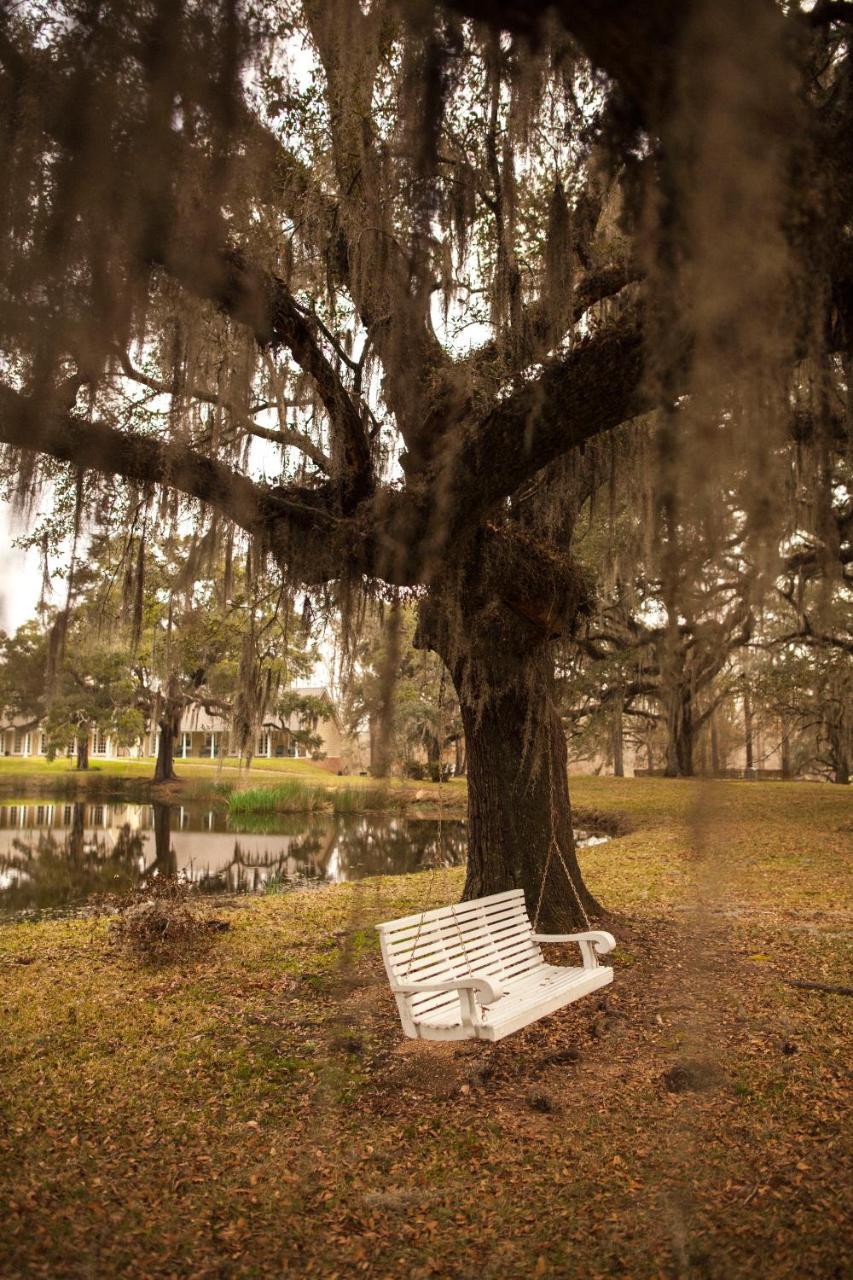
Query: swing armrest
[[479, 982], [595, 942]]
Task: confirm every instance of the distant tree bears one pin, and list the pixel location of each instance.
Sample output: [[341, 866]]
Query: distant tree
[[296, 713], [401, 694], [206, 636], [662, 659], [152, 628], [90, 690], [801, 663], [23, 664]]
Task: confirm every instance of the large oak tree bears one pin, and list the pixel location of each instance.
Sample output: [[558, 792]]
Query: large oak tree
[[276, 224]]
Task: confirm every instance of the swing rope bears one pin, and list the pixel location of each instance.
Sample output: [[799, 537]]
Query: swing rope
[[439, 835], [554, 847]]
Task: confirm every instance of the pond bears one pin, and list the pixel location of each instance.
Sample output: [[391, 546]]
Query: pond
[[58, 855]]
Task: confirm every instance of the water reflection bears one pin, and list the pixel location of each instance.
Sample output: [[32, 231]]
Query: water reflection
[[55, 856]]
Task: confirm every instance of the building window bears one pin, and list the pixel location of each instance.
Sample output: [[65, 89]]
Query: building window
[[42, 744], [264, 745], [100, 743]]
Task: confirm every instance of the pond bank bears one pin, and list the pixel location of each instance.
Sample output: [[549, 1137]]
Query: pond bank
[[200, 780]]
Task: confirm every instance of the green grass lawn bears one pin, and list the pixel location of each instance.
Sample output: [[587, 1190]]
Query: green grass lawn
[[199, 776], [256, 1112], [199, 767]]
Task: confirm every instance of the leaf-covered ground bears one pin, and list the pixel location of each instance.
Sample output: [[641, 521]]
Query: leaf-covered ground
[[257, 1113]]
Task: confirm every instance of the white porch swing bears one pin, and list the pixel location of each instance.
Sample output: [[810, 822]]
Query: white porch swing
[[476, 970]]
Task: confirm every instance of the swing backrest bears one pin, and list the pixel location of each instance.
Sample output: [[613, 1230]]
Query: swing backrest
[[490, 936]]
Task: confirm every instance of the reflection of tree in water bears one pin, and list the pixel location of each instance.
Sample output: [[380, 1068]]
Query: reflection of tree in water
[[369, 846], [341, 848], [303, 857], [57, 870], [53, 869], [165, 858]]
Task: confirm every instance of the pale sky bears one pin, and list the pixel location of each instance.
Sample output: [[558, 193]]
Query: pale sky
[[20, 573]]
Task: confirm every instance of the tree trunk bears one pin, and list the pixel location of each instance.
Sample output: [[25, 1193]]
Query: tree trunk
[[169, 725], [747, 729], [618, 746], [715, 746], [519, 814], [679, 723], [82, 745], [373, 730], [838, 753], [785, 747], [460, 767]]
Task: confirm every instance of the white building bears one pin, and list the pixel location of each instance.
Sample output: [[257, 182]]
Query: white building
[[206, 736]]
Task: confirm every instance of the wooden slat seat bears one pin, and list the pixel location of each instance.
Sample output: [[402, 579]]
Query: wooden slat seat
[[477, 969]]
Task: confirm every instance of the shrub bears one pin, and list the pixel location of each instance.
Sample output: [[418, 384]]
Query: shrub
[[158, 923], [423, 772]]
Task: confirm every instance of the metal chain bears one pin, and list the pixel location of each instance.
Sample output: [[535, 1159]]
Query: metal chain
[[542, 883]]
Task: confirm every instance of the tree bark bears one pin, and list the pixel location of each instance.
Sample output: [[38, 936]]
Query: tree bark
[[461, 763], [715, 746], [82, 745], [747, 729], [618, 746], [519, 812], [785, 747], [838, 753], [169, 725], [373, 731], [679, 721]]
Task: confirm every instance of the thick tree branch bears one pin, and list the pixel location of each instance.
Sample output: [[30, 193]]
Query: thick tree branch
[[596, 387], [594, 286], [96, 446], [283, 436], [262, 301]]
